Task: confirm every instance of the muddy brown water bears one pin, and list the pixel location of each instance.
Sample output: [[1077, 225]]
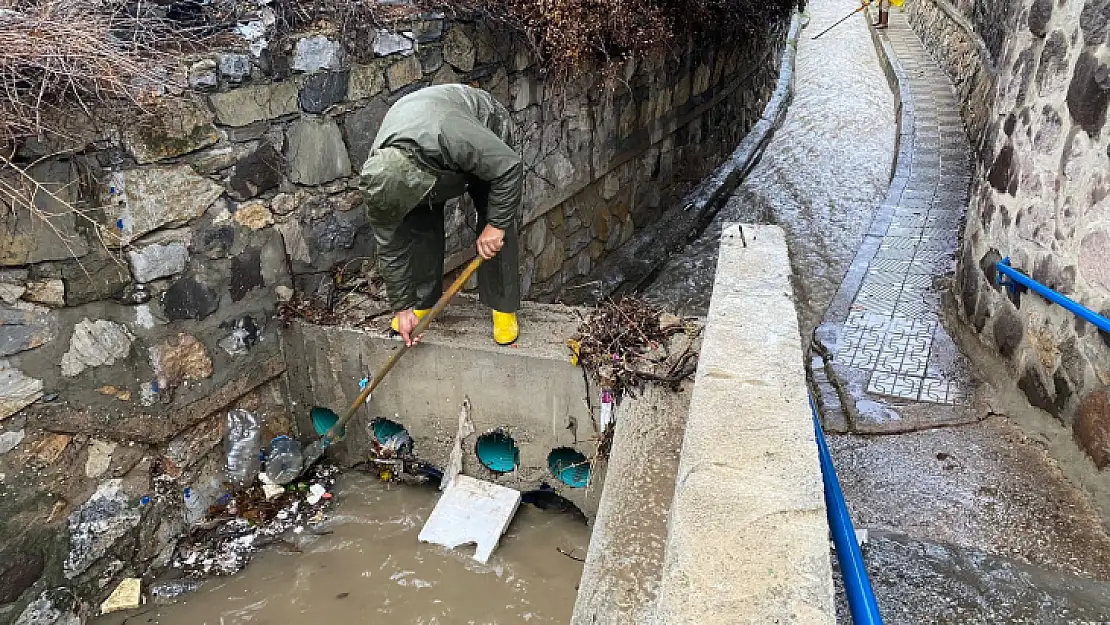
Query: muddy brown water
[[372, 569]]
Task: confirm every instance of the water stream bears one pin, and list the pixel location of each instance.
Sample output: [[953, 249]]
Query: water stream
[[821, 177], [372, 569]]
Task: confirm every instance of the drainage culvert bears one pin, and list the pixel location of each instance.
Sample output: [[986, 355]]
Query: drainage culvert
[[497, 451], [569, 466], [392, 436]]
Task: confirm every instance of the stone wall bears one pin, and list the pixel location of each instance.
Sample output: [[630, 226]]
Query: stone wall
[[968, 60], [1041, 196], [140, 279]]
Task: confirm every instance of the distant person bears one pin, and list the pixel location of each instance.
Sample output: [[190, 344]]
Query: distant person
[[433, 145], [884, 12]]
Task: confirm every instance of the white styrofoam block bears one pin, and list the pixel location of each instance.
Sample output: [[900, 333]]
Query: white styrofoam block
[[471, 511]]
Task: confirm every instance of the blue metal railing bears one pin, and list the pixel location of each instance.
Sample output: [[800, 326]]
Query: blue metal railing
[[857, 585], [1016, 278]]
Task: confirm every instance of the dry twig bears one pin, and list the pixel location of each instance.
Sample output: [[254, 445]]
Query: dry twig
[[61, 56], [616, 336]]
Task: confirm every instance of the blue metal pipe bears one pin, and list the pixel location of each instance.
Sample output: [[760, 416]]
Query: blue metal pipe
[[1081, 311], [857, 585]]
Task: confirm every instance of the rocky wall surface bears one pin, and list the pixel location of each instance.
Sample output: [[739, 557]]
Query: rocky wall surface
[[1041, 196], [141, 274], [967, 60]]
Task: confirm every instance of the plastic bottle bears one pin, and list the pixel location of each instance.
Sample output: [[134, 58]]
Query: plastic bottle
[[242, 444], [195, 508], [284, 462]]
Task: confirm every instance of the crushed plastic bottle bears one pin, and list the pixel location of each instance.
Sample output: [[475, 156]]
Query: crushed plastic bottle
[[195, 508], [285, 460], [242, 444]]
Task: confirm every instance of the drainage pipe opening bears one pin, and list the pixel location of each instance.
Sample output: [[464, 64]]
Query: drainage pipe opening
[[569, 466], [498, 452], [392, 436], [323, 420], [545, 498]]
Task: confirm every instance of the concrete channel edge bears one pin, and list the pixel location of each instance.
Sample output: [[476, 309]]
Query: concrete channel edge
[[748, 537]]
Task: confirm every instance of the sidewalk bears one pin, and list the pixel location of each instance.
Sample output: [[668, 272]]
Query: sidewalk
[[972, 521], [893, 364]]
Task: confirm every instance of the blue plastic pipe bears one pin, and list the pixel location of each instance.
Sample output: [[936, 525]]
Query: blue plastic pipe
[[857, 585], [1081, 311]]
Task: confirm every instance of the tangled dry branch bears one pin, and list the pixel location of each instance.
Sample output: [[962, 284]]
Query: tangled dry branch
[[57, 54], [569, 35], [624, 343], [353, 21]]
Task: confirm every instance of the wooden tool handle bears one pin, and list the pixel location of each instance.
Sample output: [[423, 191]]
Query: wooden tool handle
[[450, 293]]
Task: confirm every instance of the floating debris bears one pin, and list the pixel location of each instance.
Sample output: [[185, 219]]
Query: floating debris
[[255, 518], [242, 444], [471, 511], [164, 591], [624, 344], [126, 596]]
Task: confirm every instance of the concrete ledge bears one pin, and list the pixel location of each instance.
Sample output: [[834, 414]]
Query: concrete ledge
[[531, 391], [748, 538], [624, 565]]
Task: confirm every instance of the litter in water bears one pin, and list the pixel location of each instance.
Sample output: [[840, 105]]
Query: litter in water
[[242, 444], [471, 511], [284, 461], [236, 529]]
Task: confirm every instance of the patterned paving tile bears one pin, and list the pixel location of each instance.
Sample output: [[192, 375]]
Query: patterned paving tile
[[893, 331], [890, 265], [944, 244], [890, 278], [898, 242], [917, 281], [898, 253], [896, 231], [943, 391], [913, 309], [909, 221], [892, 385]]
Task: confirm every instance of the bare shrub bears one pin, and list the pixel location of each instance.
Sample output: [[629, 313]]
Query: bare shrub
[[59, 54], [570, 35], [353, 21]]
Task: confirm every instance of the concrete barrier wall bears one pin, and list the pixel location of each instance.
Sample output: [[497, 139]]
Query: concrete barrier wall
[[748, 539], [624, 565], [530, 391]]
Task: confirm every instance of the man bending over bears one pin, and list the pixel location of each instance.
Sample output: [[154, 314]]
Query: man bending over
[[433, 145]]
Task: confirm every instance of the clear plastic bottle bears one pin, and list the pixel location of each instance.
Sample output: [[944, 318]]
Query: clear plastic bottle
[[195, 506], [242, 444], [285, 460]]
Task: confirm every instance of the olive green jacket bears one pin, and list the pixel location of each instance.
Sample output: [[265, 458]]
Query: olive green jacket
[[430, 143]]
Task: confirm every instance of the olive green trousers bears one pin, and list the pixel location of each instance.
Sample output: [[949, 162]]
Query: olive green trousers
[[498, 278]]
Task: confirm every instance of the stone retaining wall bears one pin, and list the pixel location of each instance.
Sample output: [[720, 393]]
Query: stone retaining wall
[[1040, 195], [139, 286], [968, 61]]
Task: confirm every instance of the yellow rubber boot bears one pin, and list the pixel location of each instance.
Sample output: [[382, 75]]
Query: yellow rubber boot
[[505, 328], [420, 314]]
